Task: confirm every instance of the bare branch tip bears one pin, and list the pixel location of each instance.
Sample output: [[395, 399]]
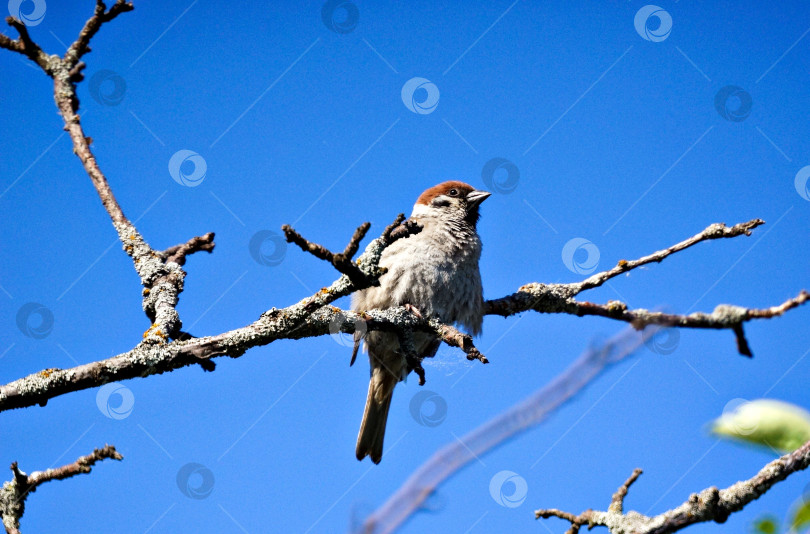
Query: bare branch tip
[[617, 501]]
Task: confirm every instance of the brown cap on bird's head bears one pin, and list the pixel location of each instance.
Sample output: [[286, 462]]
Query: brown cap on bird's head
[[439, 196]]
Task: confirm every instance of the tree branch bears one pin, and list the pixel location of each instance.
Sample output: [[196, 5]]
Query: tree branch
[[301, 320], [559, 298], [16, 491], [710, 504], [310, 317], [160, 273]]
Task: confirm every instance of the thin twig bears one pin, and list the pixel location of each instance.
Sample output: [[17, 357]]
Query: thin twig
[[178, 253], [455, 338], [714, 231]]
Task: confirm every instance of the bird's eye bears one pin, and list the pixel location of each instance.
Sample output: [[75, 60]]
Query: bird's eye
[[453, 192]]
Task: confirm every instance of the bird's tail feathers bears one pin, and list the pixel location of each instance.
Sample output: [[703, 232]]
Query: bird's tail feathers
[[375, 416]]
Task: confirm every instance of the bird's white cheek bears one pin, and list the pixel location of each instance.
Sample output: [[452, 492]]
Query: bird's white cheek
[[421, 210]]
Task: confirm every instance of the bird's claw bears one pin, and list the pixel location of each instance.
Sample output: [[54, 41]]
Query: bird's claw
[[411, 308]]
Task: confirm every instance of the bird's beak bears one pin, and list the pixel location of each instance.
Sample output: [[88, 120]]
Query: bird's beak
[[474, 198]]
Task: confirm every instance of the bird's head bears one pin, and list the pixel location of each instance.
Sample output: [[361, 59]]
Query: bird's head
[[451, 200]]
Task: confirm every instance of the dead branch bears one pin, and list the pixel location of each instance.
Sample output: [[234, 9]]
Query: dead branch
[[160, 273], [559, 298], [710, 504], [16, 491]]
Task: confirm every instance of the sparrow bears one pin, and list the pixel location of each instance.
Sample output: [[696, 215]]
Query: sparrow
[[435, 274]]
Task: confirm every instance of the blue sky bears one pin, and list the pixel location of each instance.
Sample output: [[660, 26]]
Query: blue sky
[[616, 139]]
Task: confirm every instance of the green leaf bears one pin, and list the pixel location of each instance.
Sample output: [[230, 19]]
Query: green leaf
[[800, 520], [766, 524], [771, 423]]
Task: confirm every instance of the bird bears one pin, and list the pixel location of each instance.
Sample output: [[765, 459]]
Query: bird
[[434, 273]]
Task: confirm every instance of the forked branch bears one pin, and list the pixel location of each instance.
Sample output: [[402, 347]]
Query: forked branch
[[14, 492]]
